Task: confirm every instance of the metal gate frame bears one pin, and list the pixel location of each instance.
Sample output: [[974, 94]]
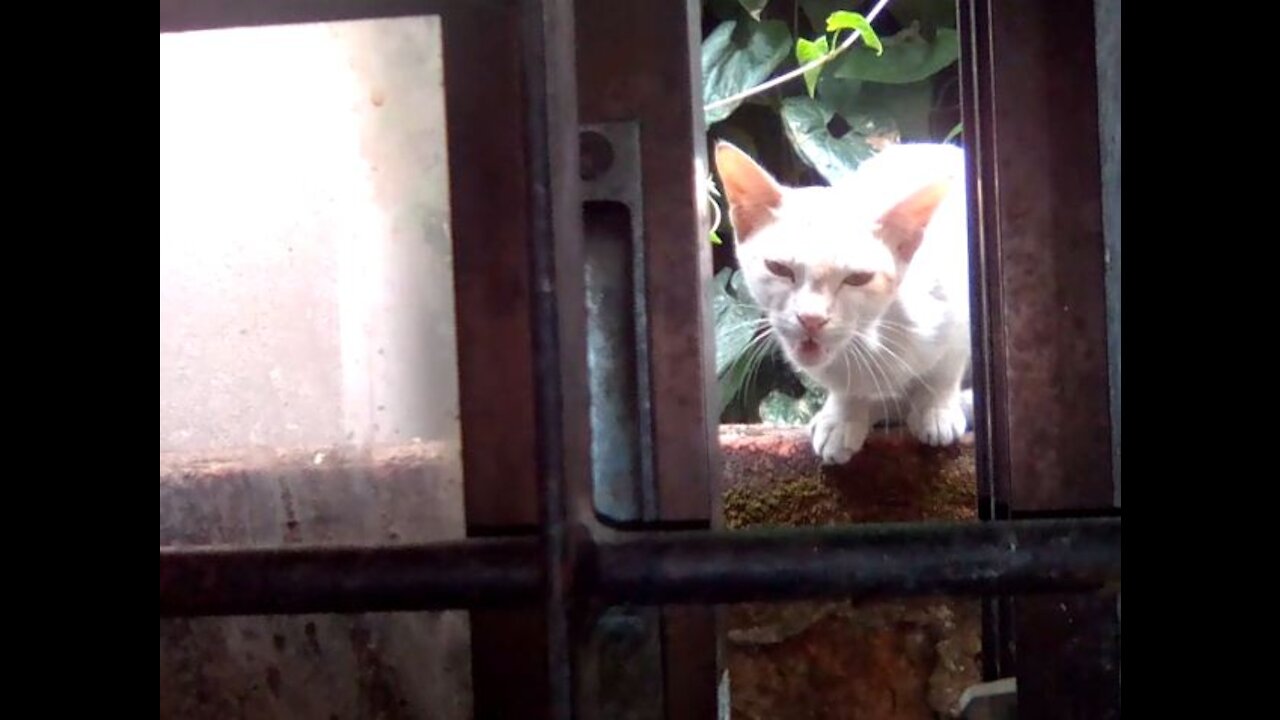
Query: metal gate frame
[[1040, 358]]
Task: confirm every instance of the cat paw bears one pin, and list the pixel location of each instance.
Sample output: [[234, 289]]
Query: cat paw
[[836, 439], [938, 424]]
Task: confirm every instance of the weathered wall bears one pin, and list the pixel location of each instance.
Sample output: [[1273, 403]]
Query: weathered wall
[[900, 660], [352, 667], [835, 660]]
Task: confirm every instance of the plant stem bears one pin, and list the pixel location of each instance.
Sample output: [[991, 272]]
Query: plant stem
[[800, 71]]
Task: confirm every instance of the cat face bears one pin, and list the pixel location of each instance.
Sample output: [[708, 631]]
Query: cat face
[[822, 264]]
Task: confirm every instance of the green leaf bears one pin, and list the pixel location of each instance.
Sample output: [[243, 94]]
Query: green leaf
[[805, 122], [929, 13], [734, 312], [899, 113], [908, 57], [779, 408], [806, 52], [908, 106], [725, 9], [839, 95], [737, 323], [817, 11], [749, 364], [753, 7], [845, 20], [715, 238], [738, 55]]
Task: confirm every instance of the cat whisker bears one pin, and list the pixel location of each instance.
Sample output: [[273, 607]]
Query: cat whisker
[[761, 322], [902, 391], [756, 352], [867, 361], [910, 372]]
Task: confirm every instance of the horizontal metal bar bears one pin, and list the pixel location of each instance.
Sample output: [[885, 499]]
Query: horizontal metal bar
[[898, 559], [186, 15], [865, 560], [297, 580]]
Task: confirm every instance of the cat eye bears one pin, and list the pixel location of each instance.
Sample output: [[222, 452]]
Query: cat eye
[[859, 278], [780, 270]]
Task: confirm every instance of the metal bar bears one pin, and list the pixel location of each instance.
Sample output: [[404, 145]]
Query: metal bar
[[296, 580], [879, 560], [655, 47], [188, 15], [988, 327], [559, 325], [1046, 351], [653, 568], [496, 381], [1043, 255], [1107, 24], [496, 374]]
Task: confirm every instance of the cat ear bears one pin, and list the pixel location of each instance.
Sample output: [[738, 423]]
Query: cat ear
[[902, 227], [752, 192]]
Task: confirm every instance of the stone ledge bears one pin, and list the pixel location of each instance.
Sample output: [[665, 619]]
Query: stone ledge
[[904, 660], [900, 660]]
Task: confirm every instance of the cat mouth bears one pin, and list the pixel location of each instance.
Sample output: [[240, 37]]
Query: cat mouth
[[808, 351]]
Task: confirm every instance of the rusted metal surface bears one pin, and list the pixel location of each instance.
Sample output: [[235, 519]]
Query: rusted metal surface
[[521, 340], [636, 63], [690, 656], [320, 490], [1068, 656], [1041, 350], [295, 536], [622, 450], [1107, 21], [334, 557], [648, 568], [624, 679], [1043, 335], [186, 15], [508, 663], [488, 162], [562, 424], [368, 665], [473, 573], [899, 560], [489, 215]]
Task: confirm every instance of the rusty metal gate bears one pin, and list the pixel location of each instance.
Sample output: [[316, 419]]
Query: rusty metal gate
[[602, 174]]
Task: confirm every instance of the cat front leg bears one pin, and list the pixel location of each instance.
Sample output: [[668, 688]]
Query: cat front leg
[[840, 428], [937, 415]]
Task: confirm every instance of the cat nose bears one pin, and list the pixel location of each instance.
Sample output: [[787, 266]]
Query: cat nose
[[811, 323]]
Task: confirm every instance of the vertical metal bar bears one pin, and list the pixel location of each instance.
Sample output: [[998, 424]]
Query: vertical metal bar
[[1107, 13], [1044, 256], [1107, 22], [1041, 347], [555, 235], [639, 65], [654, 47], [489, 211], [992, 465]]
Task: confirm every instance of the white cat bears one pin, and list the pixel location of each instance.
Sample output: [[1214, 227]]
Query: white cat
[[866, 288]]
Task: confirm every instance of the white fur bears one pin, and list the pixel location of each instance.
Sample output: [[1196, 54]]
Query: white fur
[[901, 352]]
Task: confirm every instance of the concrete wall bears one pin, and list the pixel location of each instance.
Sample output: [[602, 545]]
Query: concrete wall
[[306, 284], [308, 378]]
